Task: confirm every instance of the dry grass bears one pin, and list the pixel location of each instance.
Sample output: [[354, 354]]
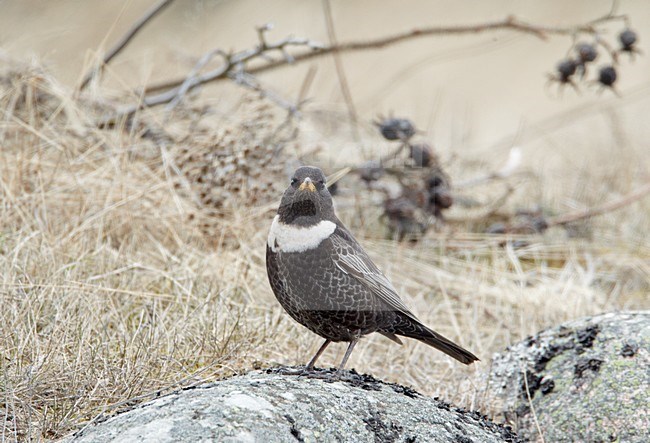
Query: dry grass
[[121, 279]]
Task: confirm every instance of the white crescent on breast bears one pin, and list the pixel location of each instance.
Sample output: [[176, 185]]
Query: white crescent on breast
[[287, 238]]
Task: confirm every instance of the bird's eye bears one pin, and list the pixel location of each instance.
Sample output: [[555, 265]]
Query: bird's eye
[[294, 181], [321, 182]]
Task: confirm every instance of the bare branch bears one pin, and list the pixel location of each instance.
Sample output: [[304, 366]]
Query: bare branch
[[610, 206], [249, 81], [124, 40], [510, 23], [191, 77], [234, 63], [312, 49]]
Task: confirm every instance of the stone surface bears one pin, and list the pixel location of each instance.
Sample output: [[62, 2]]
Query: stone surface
[[268, 406], [587, 380]]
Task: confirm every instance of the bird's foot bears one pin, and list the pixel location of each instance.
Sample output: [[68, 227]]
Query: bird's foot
[[288, 370], [327, 375], [332, 375]]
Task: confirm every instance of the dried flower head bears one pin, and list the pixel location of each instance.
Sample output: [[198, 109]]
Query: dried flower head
[[607, 76], [396, 128], [628, 39]]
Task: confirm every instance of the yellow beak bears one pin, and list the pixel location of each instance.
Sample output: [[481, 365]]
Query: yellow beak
[[307, 184]]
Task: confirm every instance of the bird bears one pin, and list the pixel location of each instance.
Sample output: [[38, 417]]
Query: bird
[[325, 280]]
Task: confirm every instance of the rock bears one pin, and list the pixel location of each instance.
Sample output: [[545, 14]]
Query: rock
[[268, 406], [589, 380]]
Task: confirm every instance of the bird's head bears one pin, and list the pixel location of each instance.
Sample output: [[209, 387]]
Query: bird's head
[[306, 201]]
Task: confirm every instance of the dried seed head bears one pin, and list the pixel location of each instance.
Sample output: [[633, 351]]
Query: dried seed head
[[628, 39], [607, 76], [371, 171], [396, 128], [566, 69], [586, 52], [435, 181]]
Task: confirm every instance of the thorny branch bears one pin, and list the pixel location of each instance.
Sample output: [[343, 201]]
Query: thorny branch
[[238, 61], [233, 67]]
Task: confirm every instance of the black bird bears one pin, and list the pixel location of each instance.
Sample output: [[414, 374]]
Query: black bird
[[325, 280]]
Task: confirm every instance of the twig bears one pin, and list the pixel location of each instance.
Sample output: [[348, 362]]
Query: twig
[[243, 78], [126, 38], [340, 71], [306, 84], [300, 101], [532, 407], [247, 80], [185, 86], [393, 155], [613, 205], [338, 175]]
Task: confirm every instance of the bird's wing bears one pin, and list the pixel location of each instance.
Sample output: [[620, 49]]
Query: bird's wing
[[353, 260]]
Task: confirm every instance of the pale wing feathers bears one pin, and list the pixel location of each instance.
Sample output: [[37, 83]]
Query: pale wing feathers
[[353, 260]]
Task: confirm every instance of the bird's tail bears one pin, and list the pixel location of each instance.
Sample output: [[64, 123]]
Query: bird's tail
[[418, 331]]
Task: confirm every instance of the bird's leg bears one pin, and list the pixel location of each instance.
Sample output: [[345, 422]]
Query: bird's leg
[[326, 375], [307, 370], [347, 355], [312, 362]]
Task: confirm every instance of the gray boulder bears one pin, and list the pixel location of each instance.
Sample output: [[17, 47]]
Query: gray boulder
[[586, 380], [268, 406]]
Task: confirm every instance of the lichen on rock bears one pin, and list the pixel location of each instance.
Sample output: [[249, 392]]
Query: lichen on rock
[[585, 380]]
